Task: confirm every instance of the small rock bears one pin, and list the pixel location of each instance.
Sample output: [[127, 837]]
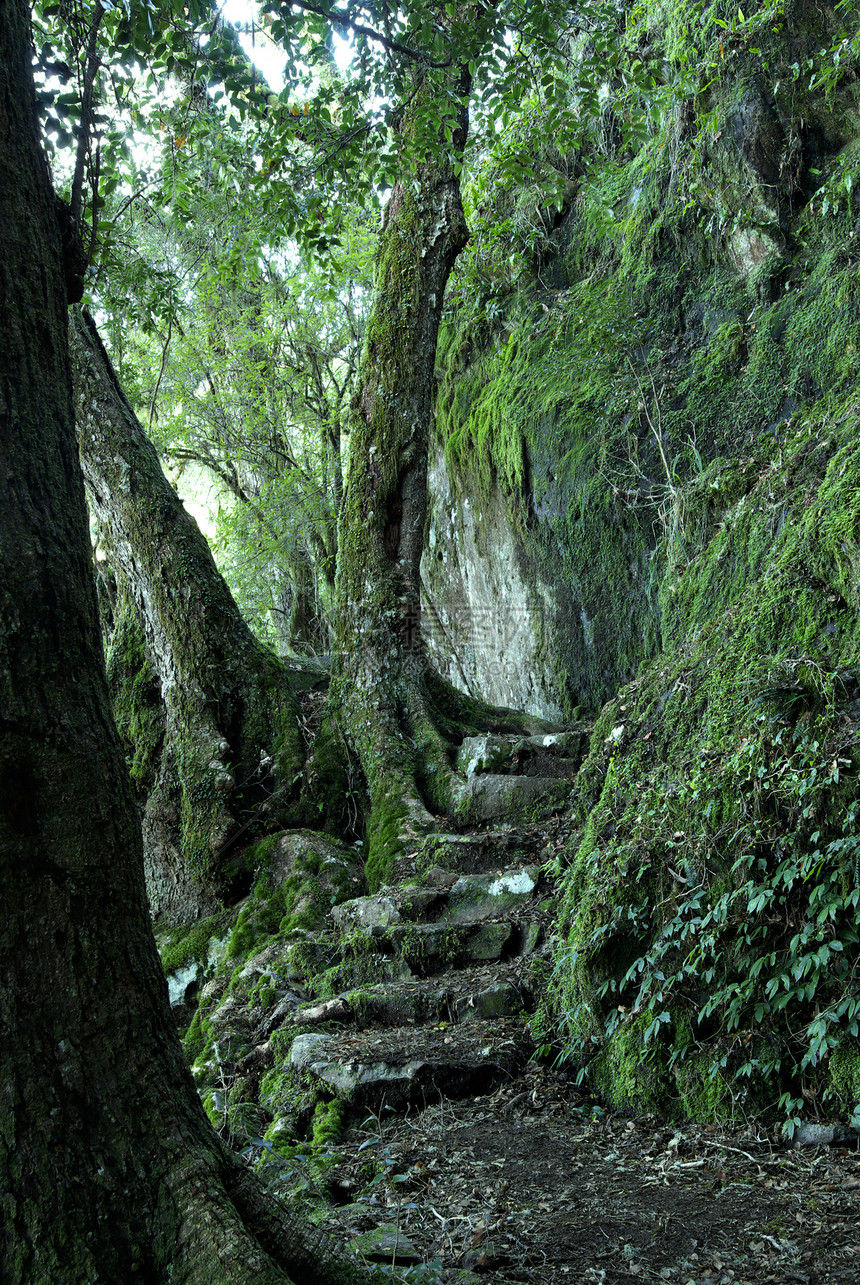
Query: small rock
[[279, 1014], [213, 989], [501, 999], [415, 903], [282, 1129], [266, 963], [530, 937], [813, 1134], [330, 1010], [475, 1260], [307, 1049], [295, 846], [225, 1011], [439, 878], [489, 942], [479, 754], [180, 983], [367, 913], [385, 1245]]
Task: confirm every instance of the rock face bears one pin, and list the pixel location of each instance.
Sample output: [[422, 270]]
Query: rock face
[[484, 620]]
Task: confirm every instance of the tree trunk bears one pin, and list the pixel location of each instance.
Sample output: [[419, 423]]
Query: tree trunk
[[231, 746], [397, 712], [109, 1170]]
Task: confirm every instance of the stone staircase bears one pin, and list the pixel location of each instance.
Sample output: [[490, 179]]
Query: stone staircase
[[378, 1069], [459, 955], [428, 985], [417, 995]]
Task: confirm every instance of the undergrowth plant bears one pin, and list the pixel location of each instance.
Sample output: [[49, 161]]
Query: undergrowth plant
[[750, 919]]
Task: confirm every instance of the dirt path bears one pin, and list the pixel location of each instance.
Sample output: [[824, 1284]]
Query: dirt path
[[532, 1184]]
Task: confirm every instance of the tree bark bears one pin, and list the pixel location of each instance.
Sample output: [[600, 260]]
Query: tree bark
[[231, 746], [109, 1170], [397, 712]]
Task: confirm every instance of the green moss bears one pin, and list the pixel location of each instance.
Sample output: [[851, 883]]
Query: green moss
[[674, 436], [136, 697], [328, 1123], [725, 732], [656, 333], [384, 838], [300, 900], [625, 1077], [196, 1038], [356, 960], [730, 778], [186, 944], [844, 1077], [335, 796], [282, 1137], [282, 1089], [308, 958]]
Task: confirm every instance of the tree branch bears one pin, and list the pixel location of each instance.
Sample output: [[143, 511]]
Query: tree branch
[[91, 66], [389, 45]]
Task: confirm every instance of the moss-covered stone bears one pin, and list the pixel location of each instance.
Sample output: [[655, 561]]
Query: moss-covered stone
[[298, 876], [184, 944]]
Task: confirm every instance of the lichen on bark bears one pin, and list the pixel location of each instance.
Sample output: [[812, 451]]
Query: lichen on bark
[[398, 714], [231, 747]]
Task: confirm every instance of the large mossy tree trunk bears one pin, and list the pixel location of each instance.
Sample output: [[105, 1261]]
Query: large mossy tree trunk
[[228, 748], [109, 1169], [400, 716]]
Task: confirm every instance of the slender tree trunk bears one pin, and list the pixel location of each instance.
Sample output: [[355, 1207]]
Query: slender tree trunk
[[109, 1170], [394, 708], [231, 745]]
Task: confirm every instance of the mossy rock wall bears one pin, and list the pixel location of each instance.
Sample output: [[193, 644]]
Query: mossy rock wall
[[570, 612], [590, 375], [668, 415]]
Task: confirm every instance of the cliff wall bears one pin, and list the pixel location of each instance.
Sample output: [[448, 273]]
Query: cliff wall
[[653, 411]]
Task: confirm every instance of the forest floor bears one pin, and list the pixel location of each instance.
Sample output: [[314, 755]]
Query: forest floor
[[534, 1184], [495, 1166], [537, 1182]]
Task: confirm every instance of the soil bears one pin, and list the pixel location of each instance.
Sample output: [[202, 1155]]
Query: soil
[[536, 1184]]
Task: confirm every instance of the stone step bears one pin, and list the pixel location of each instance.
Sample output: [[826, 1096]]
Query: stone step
[[476, 897], [399, 952], [472, 994], [558, 754], [475, 852], [432, 948], [491, 797], [399, 1067], [463, 899]]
